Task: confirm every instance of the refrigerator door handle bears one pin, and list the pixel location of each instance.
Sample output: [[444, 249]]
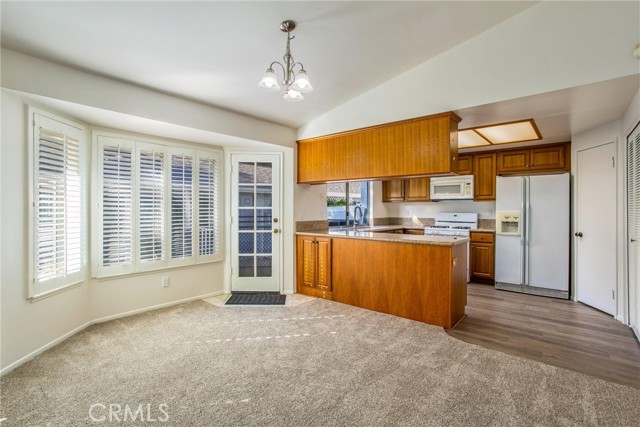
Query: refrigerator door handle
[[527, 229], [523, 222]]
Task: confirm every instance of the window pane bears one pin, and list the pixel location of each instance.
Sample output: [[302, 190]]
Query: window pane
[[246, 266], [181, 206], [116, 206], [263, 196], [151, 205], [263, 219], [264, 266], [246, 173], [263, 243], [263, 173], [207, 206], [245, 219], [245, 243], [245, 195]]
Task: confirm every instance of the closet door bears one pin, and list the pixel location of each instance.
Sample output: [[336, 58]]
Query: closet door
[[633, 226]]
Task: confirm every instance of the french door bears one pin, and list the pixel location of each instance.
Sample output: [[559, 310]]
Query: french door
[[255, 222]]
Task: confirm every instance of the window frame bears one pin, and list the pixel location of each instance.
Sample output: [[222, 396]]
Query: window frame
[[169, 149], [348, 219], [37, 118]]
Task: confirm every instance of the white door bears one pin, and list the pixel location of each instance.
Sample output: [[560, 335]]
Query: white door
[[255, 222], [633, 227], [595, 228]]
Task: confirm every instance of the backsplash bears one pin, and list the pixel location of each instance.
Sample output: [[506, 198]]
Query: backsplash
[[484, 224], [303, 226]]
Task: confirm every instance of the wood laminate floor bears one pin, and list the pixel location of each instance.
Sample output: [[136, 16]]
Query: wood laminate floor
[[562, 333]]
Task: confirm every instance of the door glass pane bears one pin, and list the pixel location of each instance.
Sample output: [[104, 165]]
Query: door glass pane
[[263, 196], [245, 221], [246, 173], [263, 243], [263, 219], [245, 243], [246, 266], [263, 173], [264, 266], [245, 195]]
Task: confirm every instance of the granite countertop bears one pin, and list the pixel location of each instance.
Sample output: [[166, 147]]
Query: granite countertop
[[376, 233]]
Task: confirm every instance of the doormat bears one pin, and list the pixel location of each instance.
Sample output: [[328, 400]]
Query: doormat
[[258, 298]]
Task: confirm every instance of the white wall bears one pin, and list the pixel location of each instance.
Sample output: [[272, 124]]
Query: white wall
[[34, 76], [550, 46], [26, 326]]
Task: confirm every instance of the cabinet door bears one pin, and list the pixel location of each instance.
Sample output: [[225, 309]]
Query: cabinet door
[[417, 189], [308, 261], [513, 161], [465, 165], [482, 260], [484, 172], [547, 158], [323, 263], [393, 190]]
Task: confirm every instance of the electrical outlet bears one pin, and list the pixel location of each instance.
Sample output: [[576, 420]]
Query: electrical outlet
[[165, 282]]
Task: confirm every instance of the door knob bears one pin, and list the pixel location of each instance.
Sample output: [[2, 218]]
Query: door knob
[[578, 234], [276, 231]]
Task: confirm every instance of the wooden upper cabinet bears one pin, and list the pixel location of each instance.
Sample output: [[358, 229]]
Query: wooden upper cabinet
[[393, 190], [545, 158], [513, 161], [406, 190], [417, 189], [465, 165], [484, 175], [415, 147], [548, 158]]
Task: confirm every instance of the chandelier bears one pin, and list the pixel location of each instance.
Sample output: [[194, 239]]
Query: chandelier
[[294, 84]]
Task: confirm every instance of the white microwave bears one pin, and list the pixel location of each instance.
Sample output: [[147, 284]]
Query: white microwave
[[452, 188]]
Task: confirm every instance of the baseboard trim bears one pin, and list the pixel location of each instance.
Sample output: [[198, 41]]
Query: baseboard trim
[[155, 307], [636, 331], [42, 349], [69, 334]]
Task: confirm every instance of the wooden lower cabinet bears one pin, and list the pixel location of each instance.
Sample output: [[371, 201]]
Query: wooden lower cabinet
[[401, 281], [482, 256], [314, 266]]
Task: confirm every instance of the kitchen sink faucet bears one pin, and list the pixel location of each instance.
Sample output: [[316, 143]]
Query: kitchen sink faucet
[[356, 223]]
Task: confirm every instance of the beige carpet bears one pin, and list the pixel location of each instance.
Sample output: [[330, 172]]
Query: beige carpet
[[315, 364]]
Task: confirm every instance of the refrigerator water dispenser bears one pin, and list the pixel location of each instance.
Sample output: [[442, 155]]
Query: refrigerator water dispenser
[[508, 223]]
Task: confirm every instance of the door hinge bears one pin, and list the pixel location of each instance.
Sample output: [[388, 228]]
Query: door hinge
[[613, 294], [231, 220], [613, 162], [232, 271]]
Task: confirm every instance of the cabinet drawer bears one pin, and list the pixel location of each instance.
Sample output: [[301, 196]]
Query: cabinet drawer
[[482, 237]]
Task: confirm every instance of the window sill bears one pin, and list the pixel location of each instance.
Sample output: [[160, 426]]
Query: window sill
[[57, 291], [154, 271]]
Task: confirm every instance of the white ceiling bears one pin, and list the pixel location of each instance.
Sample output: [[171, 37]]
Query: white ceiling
[[215, 52]]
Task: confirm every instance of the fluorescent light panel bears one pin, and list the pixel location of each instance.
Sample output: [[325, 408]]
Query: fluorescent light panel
[[504, 133], [469, 138]]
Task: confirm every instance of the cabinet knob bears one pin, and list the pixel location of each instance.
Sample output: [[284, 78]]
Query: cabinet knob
[[578, 234]]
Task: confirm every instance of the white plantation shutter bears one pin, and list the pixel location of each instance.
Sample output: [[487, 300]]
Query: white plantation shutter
[[157, 206], [57, 206], [151, 206], [208, 206], [181, 209], [116, 205], [633, 225]]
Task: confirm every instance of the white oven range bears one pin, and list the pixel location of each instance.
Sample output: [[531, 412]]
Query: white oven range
[[454, 224]]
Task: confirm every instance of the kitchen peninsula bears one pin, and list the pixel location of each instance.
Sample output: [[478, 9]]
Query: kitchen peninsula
[[413, 276]]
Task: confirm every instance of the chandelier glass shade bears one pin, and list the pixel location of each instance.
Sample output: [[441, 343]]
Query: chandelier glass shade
[[295, 84]]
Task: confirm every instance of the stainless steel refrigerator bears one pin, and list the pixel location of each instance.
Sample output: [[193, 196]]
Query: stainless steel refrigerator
[[532, 234]]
